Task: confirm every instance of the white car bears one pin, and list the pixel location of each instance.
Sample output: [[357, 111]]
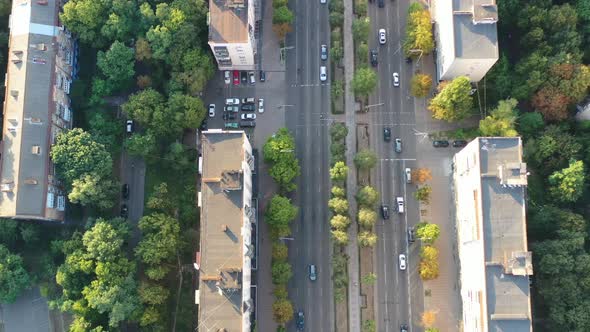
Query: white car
[[408, 172], [129, 126], [382, 39], [232, 101], [248, 100], [227, 77], [400, 204], [323, 74], [402, 262], [395, 79], [323, 1], [260, 105], [249, 116], [211, 110]]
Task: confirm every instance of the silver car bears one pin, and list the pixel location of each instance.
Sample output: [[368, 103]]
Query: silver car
[[402, 262], [398, 145], [313, 273], [382, 38]]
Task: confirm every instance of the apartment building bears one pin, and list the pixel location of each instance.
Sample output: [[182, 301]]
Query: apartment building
[[466, 37], [41, 65], [226, 250], [490, 180], [232, 25]]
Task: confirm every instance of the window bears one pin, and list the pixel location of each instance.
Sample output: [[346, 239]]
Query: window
[[67, 115], [61, 203], [67, 84], [50, 200]]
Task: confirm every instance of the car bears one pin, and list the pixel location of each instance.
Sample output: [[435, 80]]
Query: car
[[382, 38], [324, 52], [411, 234], [229, 116], [252, 78], [459, 143], [323, 1], [203, 125], [408, 60], [403, 328], [232, 101], [323, 74], [395, 79], [408, 173], [387, 134], [300, 321], [398, 145], [231, 125], [374, 58], [211, 110], [399, 201], [440, 144], [381, 3], [402, 262], [385, 211], [234, 109], [227, 77], [260, 105], [313, 275], [248, 108], [124, 211], [249, 116], [262, 76], [129, 126], [244, 77], [247, 123], [125, 191], [248, 100], [236, 77]]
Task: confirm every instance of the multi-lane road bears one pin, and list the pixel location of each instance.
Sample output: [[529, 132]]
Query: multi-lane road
[[308, 120], [393, 107]]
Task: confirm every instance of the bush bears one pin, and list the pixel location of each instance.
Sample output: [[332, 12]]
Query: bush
[[281, 273]]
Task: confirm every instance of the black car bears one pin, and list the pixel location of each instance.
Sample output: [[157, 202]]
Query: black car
[[300, 321], [440, 144], [247, 123], [203, 125], [381, 3], [124, 211], [459, 143], [125, 191], [373, 57], [411, 234], [408, 60], [248, 108], [229, 116], [385, 211], [387, 134], [244, 77], [262, 76], [403, 328]]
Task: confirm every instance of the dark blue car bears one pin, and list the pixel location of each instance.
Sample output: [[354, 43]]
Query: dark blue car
[[300, 321]]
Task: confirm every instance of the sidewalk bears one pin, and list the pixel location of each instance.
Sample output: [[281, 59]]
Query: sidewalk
[[352, 250]]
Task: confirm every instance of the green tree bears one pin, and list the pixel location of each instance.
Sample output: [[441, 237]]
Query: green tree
[[340, 236], [567, 185], [419, 39], [91, 189], [192, 73], [280, 292], [364, 82], [117, 65], [14, 279], [367, 196], [369, 279], [369, 326], [284, 172], [453, 102], [337, 88], [365, 159], [280, 252], [106, 130], [428, 233], [103, 241], [362, 54], [423, 194], [141, 145], [367, 239], [339, 222], [75, 153], [282, 15], [282, 311], [552, 150], [501, 120], [153, 294], [160, 239], [281, 273], [338, 131], [338, 192], [360, 29], [150, 315], [278, 146], [338, 205], [420, 85], [8, 232], [339, 172], [531, 123], [161, 200], [367, 218], [188, 111], [85, 18], [360, 7]]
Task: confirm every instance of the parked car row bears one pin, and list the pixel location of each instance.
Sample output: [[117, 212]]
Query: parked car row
[[244, 77], [444, 143]]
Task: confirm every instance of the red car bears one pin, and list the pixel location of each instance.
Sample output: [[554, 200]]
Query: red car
[[236, 77]]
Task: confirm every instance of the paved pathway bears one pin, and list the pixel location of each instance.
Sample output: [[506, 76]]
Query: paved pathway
[[352, 250]]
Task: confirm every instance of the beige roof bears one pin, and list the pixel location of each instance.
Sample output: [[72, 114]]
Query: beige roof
[[229, 21], [222, 219]]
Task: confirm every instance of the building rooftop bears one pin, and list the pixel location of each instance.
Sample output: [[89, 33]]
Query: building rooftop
[[222, 270], [28, 108], [475, 29], [228, 21], [507, 260]]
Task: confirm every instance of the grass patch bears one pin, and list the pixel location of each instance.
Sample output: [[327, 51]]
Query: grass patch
[[461, 133]]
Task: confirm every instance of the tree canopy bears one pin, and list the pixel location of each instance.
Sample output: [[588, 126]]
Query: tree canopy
[[453, 102], [367, 196], [13, 277], [365, 159], [419, 37], [117, 65], [364, 82], [501, 120], [567, 185]]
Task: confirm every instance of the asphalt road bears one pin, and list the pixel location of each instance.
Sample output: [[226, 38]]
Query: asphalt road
[[308, 119], [393, 107], [133, 174]]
